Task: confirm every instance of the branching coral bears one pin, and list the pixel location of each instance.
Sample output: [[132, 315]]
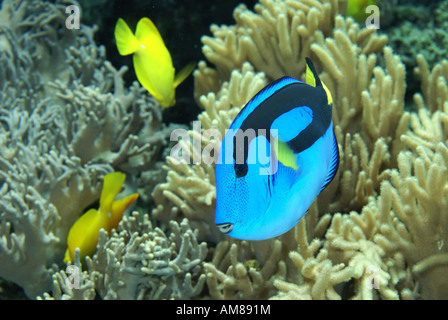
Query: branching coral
[[140, 262], [312, 274], [230, 276], [275, 38], [369, 129], [413, 219], [66, 119], [44, 186]]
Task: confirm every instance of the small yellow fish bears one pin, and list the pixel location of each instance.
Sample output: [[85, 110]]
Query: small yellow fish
[[84, 233], [357, 9], [152, 60]]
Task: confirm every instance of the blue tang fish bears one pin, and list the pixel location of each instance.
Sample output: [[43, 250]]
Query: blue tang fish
[[279, 153]]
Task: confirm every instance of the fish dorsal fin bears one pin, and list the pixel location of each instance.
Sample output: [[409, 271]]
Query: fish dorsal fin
[[111, 187], [183, 73], [334, 164], [147, 33], [329, 97], [312, 78]]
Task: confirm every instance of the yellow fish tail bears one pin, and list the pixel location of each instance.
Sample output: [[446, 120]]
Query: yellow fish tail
[[127, 43]]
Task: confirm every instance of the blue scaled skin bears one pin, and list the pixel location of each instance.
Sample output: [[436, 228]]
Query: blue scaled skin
[[279, 153]]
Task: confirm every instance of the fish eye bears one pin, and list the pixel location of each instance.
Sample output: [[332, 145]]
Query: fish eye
[[225, 227], [241, 170]]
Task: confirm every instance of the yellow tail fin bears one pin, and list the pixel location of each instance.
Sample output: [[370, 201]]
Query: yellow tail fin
[[127, 43]]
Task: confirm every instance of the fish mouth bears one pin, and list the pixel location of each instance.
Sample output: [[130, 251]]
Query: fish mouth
[[225, 227]]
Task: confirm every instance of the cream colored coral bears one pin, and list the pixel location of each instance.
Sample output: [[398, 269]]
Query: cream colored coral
[[350, 241], [275, 38], [229, 278], [348, 62], [413, 218], [434, 84], [430, 122], [369, 118], [317, 274], [406, 225]]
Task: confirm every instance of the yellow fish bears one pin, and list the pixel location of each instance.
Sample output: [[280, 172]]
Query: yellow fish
[[84, 233], [152, 60], [357, 9]]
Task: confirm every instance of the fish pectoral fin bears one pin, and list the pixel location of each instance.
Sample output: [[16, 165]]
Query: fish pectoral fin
[[126, 42], [183, 73], [286, 155]]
